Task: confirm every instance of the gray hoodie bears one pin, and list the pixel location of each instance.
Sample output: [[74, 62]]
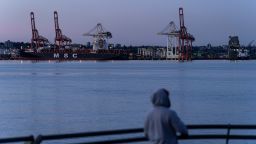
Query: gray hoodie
[[162, 123]]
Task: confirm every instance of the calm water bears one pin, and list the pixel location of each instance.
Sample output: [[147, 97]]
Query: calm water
[[63, 97]]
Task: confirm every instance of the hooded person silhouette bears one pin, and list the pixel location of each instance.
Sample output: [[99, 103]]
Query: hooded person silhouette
[[162, 123]]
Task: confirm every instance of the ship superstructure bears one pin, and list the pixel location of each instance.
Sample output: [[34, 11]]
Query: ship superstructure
[[235, 51]]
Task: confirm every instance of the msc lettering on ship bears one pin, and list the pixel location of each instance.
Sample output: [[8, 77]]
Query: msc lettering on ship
[[65, 55]]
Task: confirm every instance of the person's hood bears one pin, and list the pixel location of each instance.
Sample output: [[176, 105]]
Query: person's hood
[[161, 98]]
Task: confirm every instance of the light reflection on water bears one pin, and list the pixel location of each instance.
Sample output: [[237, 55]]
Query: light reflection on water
[[64, 97]]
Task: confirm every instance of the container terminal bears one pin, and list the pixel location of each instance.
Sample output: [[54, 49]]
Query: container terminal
[[40, 48], [179, 46]]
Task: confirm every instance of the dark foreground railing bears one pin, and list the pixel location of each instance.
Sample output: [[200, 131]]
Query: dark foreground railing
[[197, 132], [26, 140]]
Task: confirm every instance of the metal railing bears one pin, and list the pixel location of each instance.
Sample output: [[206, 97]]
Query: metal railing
[[124, 135], [222, 136], [26, 140]]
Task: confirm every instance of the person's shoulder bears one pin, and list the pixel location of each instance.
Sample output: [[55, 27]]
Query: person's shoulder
[[173, 112]]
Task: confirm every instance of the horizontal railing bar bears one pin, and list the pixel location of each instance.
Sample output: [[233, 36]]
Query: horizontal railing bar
[[91, 134], [191, 137], [17, 139], [214, 136], [116, 141], [244, 137], [221, 126]]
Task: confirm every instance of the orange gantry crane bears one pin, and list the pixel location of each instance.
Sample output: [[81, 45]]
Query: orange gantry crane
[[36, 40], [185, 40], [179, 44], [60, 39]]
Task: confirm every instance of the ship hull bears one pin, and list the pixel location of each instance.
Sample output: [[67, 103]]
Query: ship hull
[[71, 56]]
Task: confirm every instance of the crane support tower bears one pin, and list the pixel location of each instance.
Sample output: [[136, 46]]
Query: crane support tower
[[37, 40], [185, 40], [172, 41], [100, 36], [60, 39]]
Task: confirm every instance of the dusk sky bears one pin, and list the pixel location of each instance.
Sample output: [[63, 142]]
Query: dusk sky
[[132, 22]]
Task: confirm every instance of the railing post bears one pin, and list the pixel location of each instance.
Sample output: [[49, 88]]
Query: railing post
[[32, 140], [228, 134], [38, 140]]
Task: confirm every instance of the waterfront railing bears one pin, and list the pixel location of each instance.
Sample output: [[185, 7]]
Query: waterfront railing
[[197, 132], [25, 140]]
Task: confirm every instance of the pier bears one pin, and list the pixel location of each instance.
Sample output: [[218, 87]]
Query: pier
[[197, 133]]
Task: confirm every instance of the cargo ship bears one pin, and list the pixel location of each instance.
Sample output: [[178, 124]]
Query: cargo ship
[[62, 49], [71, 54]]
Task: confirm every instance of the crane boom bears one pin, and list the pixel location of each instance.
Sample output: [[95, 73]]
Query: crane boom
[[60, 39]]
